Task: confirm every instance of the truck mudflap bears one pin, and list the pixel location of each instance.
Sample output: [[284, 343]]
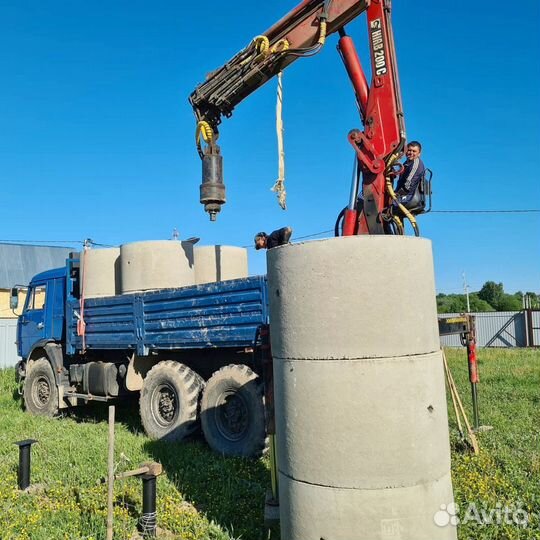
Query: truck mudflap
[[20, 372]]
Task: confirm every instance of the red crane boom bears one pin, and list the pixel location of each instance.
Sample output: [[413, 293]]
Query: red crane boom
[[303, 32]]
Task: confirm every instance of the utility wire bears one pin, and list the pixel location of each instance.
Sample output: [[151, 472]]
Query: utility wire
[[312, 235], [54, 242], [513, 211], [303, 237], [43, 241], [101, 245]]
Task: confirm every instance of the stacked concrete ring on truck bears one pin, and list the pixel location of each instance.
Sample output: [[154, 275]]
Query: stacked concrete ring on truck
[[176, 323]]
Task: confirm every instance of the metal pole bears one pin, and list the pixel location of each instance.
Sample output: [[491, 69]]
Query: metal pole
[[149, 518], [354, 185], [473, 369], [110, 475], [529, 327], [268, 378], [23, 474], [476, 418], [466, 290]]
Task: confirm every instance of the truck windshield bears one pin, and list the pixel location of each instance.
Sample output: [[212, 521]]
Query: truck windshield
[[36, 297]]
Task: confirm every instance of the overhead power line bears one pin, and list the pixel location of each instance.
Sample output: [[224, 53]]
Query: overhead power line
[[313, 234], [42, 241], [304, 237], [511, 211], [54, 242]]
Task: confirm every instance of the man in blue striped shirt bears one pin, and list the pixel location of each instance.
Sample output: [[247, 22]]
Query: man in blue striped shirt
[[413, 172]]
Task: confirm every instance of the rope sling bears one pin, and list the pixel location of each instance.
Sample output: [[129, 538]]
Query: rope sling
[[279, 186]]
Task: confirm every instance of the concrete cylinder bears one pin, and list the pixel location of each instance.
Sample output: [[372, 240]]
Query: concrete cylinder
[[100, 271], [219, 263], [361, 421], [160, 264]]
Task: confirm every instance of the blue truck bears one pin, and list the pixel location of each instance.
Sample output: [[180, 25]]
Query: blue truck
[[192, 354]]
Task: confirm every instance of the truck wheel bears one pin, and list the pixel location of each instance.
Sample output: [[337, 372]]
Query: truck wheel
[[40, 392], [232, 412], [169, 399]]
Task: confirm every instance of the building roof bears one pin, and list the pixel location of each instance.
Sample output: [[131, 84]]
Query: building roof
[[19, 263]]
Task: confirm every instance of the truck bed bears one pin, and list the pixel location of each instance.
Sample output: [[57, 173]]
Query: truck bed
[[224, 314]]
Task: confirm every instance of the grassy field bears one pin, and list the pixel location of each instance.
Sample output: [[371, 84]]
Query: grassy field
[[506, 473], [205, 496]]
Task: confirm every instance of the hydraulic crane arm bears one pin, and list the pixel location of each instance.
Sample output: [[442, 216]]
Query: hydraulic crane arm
[[299, 34]]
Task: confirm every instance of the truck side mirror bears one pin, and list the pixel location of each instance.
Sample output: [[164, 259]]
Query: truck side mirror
[[14, 298]]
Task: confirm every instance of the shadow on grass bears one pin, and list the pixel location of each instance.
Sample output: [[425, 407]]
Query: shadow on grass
[[461, 446], [126, 413], [17, 396], [228, 490]]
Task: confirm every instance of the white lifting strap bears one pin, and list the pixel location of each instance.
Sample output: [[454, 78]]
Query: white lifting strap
[[279, 186]]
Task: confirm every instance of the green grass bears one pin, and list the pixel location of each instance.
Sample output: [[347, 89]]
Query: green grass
[[205, 496], [200, 496], [506, 472]]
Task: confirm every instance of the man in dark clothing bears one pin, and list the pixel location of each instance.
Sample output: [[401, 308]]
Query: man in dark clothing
[[413, 172], [275, 238]]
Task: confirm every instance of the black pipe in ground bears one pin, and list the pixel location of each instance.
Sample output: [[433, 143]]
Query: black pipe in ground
[[148, 518], [23, 474]]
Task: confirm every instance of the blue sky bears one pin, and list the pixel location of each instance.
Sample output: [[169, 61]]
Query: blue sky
[[97, 135]]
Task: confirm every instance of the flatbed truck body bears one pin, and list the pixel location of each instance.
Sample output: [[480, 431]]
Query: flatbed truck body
[[173, 344]]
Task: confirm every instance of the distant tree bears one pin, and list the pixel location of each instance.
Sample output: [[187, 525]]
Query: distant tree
[[492, 293], [491, 297], [457, 303], [451, 303], [509, 302], [477, 304]]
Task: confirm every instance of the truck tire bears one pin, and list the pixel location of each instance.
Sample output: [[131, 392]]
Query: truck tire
[[232, 412], [169, 401], [40, 392]]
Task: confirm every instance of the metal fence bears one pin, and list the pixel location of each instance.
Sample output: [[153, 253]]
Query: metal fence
[[502, 329], [493, 329], [8, 349], [533, 328]]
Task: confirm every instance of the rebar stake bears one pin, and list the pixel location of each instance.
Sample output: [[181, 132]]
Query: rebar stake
[[23, 474]]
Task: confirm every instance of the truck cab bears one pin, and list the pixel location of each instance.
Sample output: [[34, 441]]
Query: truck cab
[[43, 317]]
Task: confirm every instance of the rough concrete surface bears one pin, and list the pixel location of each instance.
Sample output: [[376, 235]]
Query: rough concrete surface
[[159, 264], [365, 285], [310, 512], [101, 272], [367, 424], [362, 430], [219, 263]]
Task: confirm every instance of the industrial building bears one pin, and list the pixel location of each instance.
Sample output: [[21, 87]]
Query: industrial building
[[18, 264]]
